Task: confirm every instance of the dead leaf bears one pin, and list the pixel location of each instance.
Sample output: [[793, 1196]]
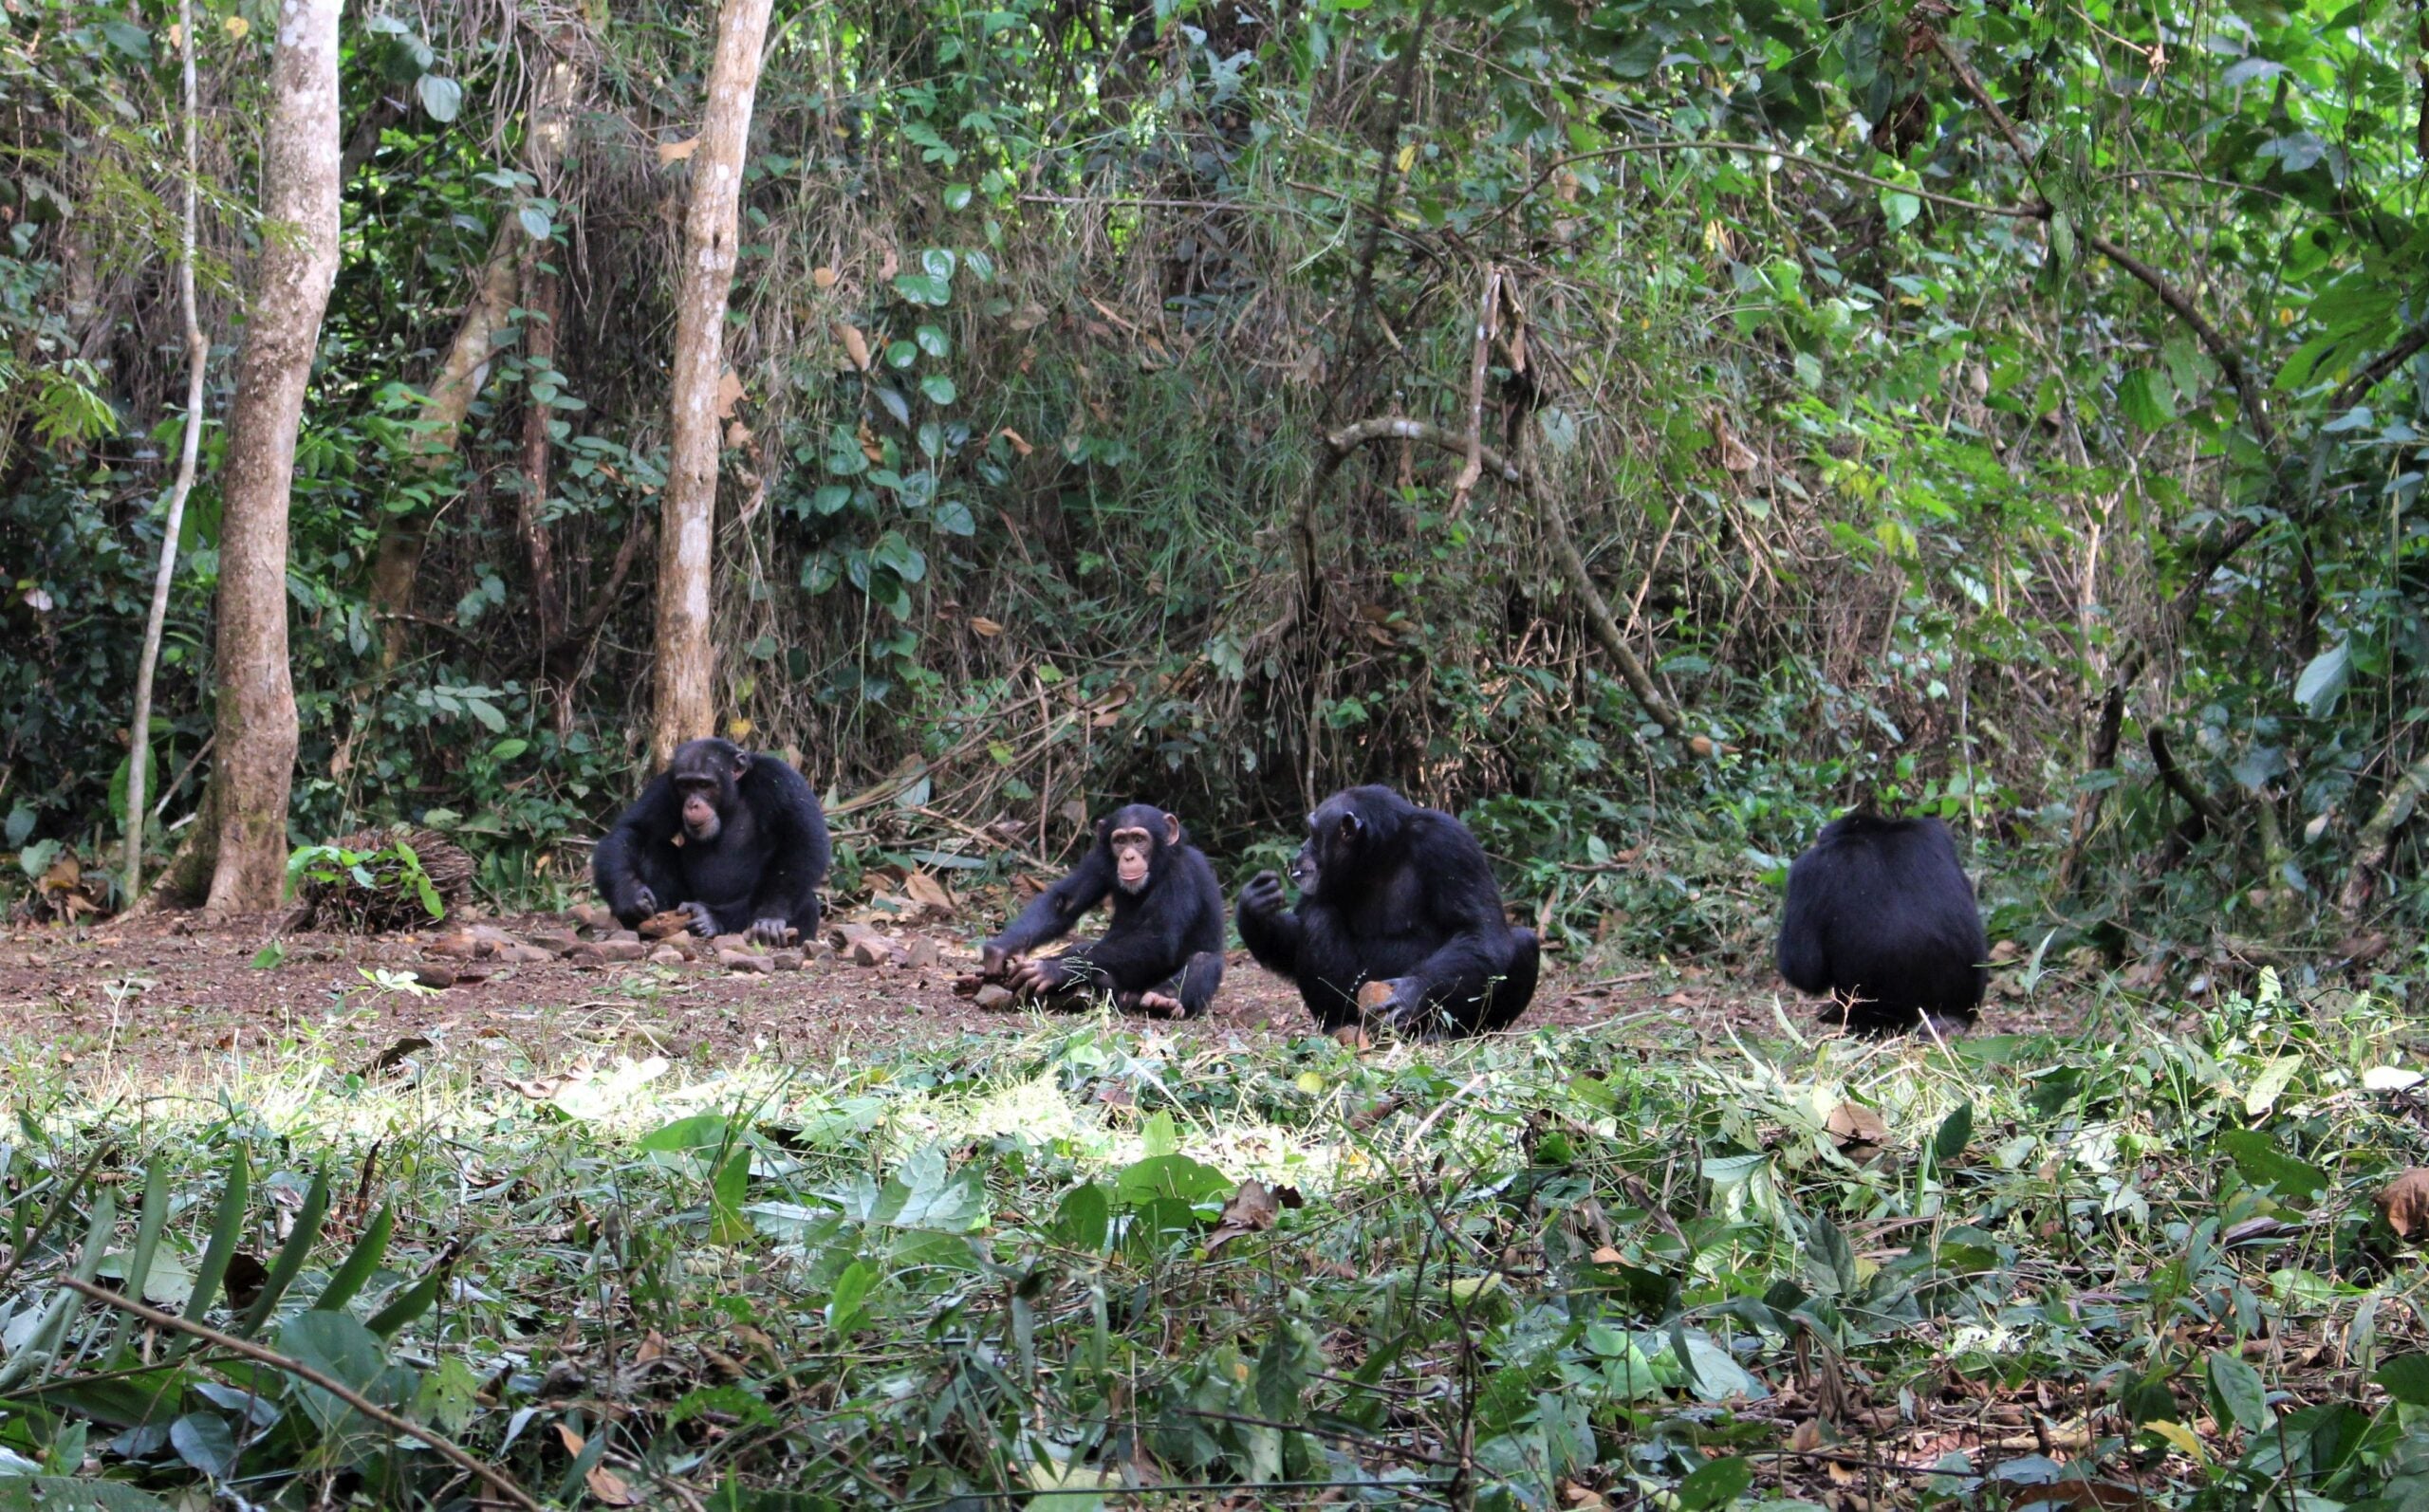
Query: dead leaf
[[610, 1489], [929, 892], [856, 346], [571, 1440], [1252, 1209], [729, 394], [1608, 1255], [1807, 1436], [245, 1277], [823, 277], [1854, 1126], [2405, 1203], [1020, 442], [675, 152], [394, 1055], [985, 626], [653, 1347]]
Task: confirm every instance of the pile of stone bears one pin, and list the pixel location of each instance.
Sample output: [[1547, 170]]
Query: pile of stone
[[590, 935]]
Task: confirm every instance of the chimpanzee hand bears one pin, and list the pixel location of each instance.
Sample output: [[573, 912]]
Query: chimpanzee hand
[[1399, 1002], [644, 901], [993, 961], [767, 931], [1262, 896], [1048, 974], [704, 923]]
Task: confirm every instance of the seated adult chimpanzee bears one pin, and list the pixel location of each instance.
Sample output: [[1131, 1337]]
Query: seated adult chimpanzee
[[1880, 916], [1163, 951], [1398, 919], [733, 840]]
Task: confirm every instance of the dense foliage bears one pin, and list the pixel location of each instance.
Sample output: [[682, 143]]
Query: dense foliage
[[1951, 405]]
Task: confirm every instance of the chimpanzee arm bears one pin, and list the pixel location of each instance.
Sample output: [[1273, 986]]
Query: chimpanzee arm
[[1464, 906], [1804, 961], [633, 866], [787, 810], [1271, 934], [1051, 913]]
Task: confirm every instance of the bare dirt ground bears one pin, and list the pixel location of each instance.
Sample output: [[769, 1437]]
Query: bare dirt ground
[[164, 1002]]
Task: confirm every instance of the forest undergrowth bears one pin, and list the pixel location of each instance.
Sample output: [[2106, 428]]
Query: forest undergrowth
[[2131, 1265]]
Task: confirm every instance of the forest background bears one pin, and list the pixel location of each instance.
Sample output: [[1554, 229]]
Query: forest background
[[1644, 428]]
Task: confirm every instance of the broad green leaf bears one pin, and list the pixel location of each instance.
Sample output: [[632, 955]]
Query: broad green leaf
[[1717, 1484], [2236, 1390], [338, 1347], [844, 1304], [441, 96], [2323, 680]]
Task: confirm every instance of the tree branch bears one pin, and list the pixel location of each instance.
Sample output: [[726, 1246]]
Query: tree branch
[[498, 1480]]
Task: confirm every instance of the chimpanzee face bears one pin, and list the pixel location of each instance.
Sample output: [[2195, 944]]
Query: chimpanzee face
[[1334, 833], [704, 772], [1135, 835]]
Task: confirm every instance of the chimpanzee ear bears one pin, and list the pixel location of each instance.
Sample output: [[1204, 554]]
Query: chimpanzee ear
[[1350, 825], [1171, 829], [742, 760], [1104, 830]]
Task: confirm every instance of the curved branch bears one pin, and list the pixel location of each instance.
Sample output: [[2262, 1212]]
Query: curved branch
[[1340, 443], [1819, 165]]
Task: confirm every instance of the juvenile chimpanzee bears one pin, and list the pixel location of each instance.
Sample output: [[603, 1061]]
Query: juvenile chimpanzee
[[736, 840], [1163, 951], [1397, 907], [1881, 916]]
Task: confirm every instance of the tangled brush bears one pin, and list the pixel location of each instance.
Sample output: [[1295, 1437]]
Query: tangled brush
[[375, 880]]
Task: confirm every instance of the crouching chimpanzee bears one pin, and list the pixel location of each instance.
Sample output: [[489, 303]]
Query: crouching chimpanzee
[[733, 840], [1163, 953], [1398, 919], [1881, 916]]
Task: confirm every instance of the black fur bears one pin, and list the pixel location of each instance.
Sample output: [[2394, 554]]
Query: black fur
[[1396, 893], [1881, 916], [1166, 937], [759, 873]]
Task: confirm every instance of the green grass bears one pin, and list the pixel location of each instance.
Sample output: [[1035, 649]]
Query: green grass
[[1562, 1270]]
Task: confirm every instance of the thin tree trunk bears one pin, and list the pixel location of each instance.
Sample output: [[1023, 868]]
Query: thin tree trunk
[[2375, 846], [686, 662], [138, 754], [299, 262], [395, 563], [540, 303]]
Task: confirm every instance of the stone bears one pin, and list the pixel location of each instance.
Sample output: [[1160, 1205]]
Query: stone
[[631, 949], [663, 926], [786, 960], [667, 955], [869, 949], [623, 937], [746, 960], [922, 954], [992, 996], [556, 942], [517, 953]]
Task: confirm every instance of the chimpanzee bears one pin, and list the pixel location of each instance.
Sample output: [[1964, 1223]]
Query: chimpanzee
[[736, 840], [1881, 916], [1398, 919], [1163, 953]]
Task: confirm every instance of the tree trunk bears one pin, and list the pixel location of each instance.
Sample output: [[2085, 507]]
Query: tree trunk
[[395, 564], [299, 262], [138, 730], [686, 664]]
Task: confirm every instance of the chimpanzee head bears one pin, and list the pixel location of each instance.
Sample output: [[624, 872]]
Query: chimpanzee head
[[1352, 824], [704, 772], [1137, 834]]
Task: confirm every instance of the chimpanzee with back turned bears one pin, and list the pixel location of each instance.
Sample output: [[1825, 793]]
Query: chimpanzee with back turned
[[1881, 916], [735, 840], [1399, 920], [1163, 953]]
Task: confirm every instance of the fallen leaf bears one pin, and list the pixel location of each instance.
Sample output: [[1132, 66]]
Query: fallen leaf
[[1020, 442], [823, 277], [929, 892], [2405, 1203], [1852, 1124], [985, 626], [571, 1440], [610, 1489], [856, 346], [729, 394], [675, 152], [394, 1055]]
